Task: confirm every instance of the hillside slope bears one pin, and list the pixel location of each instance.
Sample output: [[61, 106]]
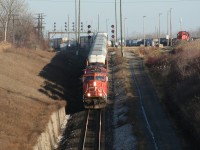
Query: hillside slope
[[24, 109]]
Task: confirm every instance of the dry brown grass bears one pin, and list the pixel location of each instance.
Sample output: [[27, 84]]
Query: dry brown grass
[[177, 77], [24, 111], [4, 46]]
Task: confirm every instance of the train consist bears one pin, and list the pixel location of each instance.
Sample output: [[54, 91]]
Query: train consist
[[95, 77]]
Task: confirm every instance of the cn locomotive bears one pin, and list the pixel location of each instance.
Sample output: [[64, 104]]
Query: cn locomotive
[[95, 77]]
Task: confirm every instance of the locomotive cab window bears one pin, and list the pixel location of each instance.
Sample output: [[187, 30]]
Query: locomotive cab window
[[100, 78], [88, 78]]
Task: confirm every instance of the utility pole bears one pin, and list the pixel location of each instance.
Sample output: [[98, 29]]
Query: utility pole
[[79, 22], [76, 21], [159, 29], [167, 22], [170, 26], [167, 28], [144, 30], [115, 21], [121, 27], [68, 31], [40, 25], [125, 31]]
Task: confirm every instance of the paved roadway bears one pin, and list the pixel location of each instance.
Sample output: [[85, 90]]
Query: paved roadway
[[157, 127]]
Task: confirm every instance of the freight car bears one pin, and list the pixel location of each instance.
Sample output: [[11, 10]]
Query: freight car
[[98, 52], [55, 43], [95, 77]]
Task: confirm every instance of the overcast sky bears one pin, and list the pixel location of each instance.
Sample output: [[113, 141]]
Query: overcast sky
[[184, 12]]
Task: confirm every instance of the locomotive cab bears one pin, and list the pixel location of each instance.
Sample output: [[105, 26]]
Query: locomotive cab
[[95, 89]]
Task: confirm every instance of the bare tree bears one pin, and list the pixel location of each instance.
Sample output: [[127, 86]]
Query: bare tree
[[25, 30], [11, 7], [15, 20]]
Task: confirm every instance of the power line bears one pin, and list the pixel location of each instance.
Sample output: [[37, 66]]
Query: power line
[[40, 26]]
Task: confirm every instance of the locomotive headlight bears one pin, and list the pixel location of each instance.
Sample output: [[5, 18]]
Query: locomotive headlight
[[94, 84], [88, 94], [100, 94]]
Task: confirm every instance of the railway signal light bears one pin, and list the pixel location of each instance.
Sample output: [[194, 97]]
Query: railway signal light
[[65, 26], [112, 31], [81, 26], [54, 26], [89, 32], [73, 26]]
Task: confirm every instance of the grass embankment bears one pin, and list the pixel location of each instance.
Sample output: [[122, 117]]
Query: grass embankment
[[24, 110], [177, 76]]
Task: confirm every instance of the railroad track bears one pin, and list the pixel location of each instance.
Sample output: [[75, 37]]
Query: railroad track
[[138, 88], [156, 125], [91, 139]]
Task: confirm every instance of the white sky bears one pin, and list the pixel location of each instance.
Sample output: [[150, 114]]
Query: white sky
[[134, 10]]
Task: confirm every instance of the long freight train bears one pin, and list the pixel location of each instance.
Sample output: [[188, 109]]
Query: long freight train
[[95, 77]]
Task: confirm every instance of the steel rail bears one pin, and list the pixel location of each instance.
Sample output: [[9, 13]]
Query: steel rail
[[86, 128], [98, 121], [100, 131]]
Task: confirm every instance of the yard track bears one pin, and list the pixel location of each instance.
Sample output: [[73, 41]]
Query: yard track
[[157, 127]]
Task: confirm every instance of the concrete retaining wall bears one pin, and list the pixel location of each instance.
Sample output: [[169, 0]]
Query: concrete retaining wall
[[48, 138]]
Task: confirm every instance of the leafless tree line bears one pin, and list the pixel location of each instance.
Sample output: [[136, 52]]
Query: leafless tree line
[[16, 23]]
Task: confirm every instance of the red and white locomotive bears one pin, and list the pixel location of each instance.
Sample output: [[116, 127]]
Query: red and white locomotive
[[95, 77], [183, 35]]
